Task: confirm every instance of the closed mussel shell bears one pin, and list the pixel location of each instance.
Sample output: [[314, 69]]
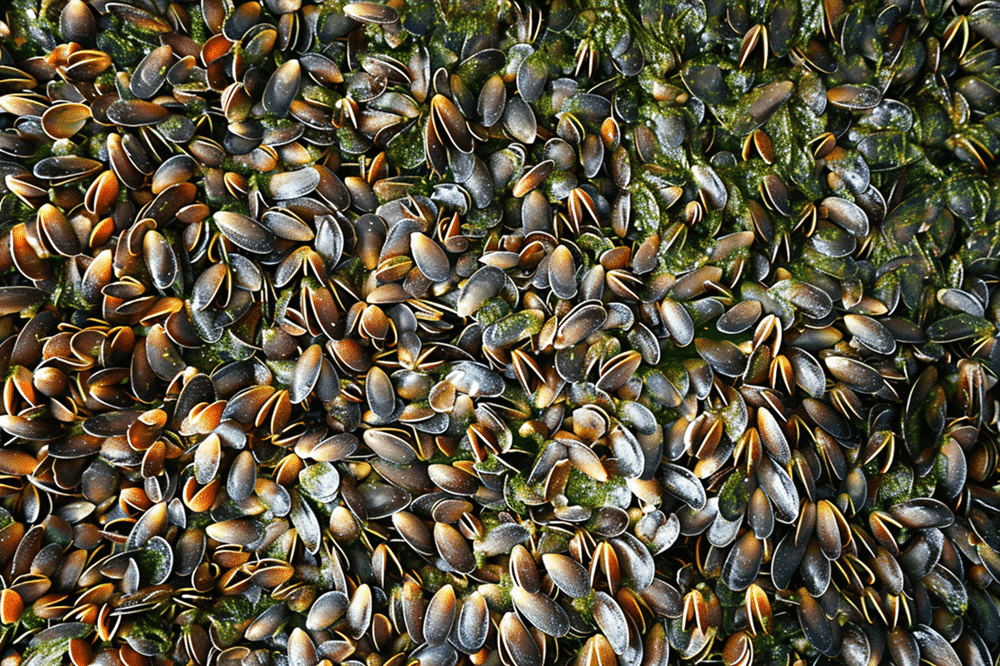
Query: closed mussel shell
[[414, 333]]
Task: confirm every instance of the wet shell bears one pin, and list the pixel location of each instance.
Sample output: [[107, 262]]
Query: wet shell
[[541, 612], [429, 334], [568, 574], [151, 73], [429, 257], [440, 616], [282, 88], [244, 232], [472, 625], [519, 642]]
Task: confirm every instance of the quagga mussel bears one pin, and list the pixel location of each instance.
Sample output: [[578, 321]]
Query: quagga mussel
[[514, 333]]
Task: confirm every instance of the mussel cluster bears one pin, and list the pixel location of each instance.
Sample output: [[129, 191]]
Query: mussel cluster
[[448, 332]]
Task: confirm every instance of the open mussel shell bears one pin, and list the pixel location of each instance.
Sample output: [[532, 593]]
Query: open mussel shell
[[390, 333]]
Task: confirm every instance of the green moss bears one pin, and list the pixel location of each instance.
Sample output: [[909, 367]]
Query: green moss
[[434, 579], [229, 348], [585, 490], [585, 606], [515, 492], [771, 648], [493, 310], [149, 628], [29, 620], [896, 486], [123, 52], [532, 442], [406, 149], [734, 496], [506, 584], [230, 615], [50, 652], [199, 520], [30, 30], [172, 124]]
